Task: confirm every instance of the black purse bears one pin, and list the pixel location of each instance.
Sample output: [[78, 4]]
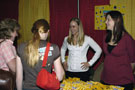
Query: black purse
[[7, 80]]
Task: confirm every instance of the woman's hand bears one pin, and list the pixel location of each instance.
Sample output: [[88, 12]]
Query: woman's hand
[[85, 65], [65, 65]]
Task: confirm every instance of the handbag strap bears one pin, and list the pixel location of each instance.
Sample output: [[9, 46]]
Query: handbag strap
[[46, 54]]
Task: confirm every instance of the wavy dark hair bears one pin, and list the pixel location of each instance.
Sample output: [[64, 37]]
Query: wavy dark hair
[[7, 26], [118, 27]]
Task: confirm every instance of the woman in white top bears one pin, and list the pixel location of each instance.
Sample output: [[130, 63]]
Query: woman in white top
[[78, 44]]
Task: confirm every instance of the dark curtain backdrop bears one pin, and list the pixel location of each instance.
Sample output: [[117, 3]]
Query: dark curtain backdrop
[[9, 9], [61, 11], [87, 17]]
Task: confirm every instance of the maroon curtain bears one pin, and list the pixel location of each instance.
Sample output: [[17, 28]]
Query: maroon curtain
[[61, 11], [87, 17], [9, 9]]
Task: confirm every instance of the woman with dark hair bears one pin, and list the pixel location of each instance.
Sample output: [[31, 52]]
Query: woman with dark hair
[[77, 43], [32, 54], [119, 52], [9, 59]]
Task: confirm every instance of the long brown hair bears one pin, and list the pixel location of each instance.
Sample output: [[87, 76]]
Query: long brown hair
[[33, 45], [118, 27]]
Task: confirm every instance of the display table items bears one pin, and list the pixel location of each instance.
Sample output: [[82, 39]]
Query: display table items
[[77, 84]]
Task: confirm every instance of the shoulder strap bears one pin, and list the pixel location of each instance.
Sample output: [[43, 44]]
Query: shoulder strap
[[46, 54]]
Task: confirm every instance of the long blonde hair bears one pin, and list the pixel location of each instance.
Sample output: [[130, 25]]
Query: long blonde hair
[[80, 38], [31, 49]]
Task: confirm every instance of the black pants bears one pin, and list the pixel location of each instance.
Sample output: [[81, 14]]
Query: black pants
[[129, 86], [84, 76]]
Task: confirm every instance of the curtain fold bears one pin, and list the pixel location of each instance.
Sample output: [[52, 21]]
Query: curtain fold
[[61, 11], [29, 12]]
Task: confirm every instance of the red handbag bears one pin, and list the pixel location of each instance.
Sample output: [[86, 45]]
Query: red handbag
[[45, 79]]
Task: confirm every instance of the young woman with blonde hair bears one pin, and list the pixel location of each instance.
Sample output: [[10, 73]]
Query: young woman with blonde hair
[[32, 54], [78, 44]]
